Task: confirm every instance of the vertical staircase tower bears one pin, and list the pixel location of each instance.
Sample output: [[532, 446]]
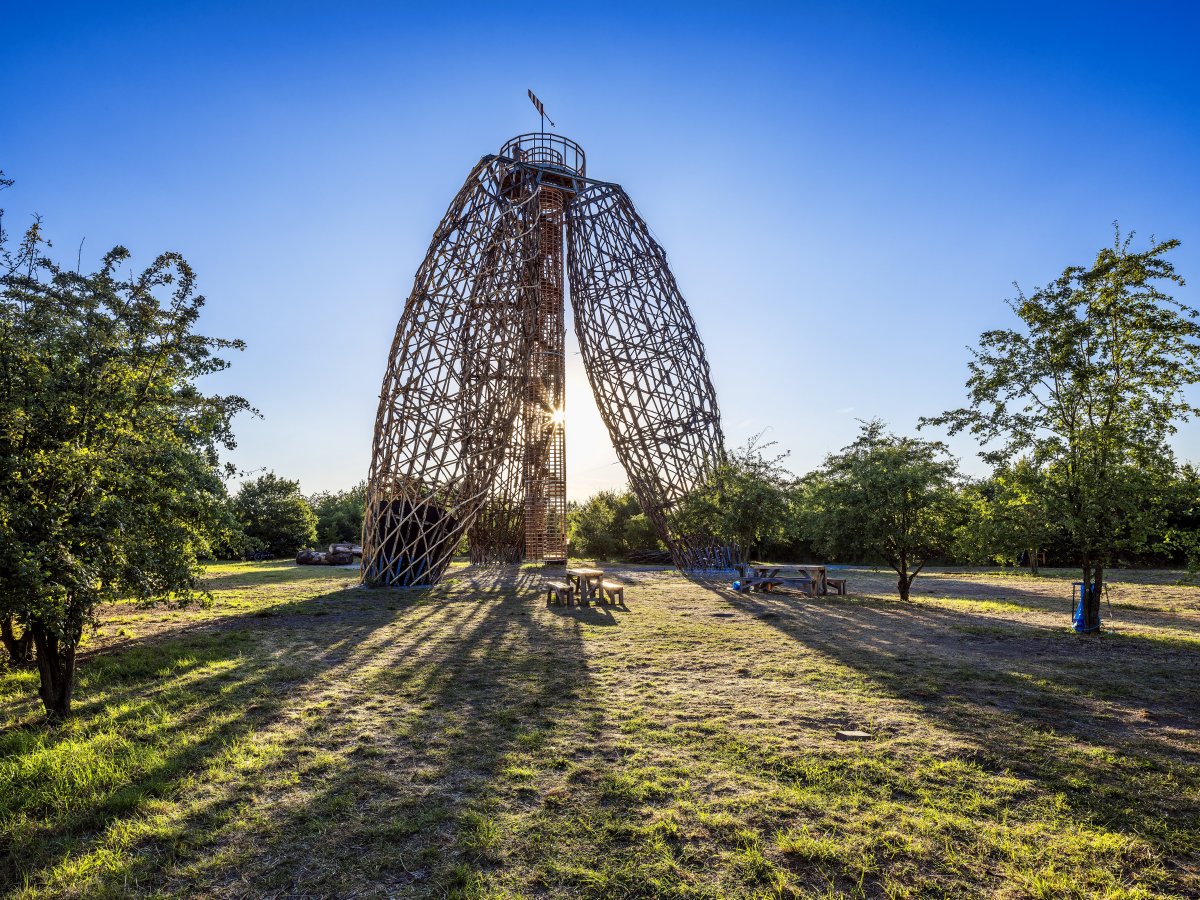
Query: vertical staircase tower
[[544, 412]]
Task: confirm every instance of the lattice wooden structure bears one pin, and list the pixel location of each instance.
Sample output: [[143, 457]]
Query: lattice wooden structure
[[469, 437]]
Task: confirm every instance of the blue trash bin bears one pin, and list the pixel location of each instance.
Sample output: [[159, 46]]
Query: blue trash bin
[[1079, 591]]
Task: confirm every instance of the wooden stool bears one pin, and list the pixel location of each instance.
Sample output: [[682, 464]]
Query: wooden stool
[[555, 593], [614, 590], [838, 585]]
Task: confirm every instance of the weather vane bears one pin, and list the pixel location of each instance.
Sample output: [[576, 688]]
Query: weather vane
[[541, 110]]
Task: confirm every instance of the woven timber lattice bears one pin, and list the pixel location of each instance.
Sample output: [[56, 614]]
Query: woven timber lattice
[[469, 437], [646, 364], [454, 382]]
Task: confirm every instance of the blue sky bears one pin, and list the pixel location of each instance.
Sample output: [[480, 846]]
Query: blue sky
[[846, 191]]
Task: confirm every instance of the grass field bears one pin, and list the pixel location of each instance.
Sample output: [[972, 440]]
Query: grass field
[[303, 737]]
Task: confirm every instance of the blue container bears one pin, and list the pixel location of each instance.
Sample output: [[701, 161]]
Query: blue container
[[737, 586], [1079, 591]]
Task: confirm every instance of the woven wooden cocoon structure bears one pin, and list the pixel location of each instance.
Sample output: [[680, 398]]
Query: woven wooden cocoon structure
[[469, 437]]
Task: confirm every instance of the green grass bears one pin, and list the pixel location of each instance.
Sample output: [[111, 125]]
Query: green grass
[[303, 737]]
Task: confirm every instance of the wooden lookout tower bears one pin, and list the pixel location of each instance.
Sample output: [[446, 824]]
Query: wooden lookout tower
[[470, 435]]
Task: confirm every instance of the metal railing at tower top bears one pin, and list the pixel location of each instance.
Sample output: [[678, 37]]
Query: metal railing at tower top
[[553, 151]]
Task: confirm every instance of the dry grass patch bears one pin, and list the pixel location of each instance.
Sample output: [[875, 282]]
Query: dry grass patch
[[303, 737]]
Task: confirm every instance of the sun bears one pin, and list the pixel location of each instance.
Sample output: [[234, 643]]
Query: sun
[[558, 417]]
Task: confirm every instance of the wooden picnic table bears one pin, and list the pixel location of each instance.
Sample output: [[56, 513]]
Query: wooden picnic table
[[587, 580], [811, 576], [817, 574]]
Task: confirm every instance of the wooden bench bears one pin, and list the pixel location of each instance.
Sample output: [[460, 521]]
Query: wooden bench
[[799, 582], [838, 585], [768, 584], [756, 583], [613, 590], [558, 593]]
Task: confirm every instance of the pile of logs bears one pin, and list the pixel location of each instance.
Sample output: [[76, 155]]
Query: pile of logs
[[657, 557], [337, 555]]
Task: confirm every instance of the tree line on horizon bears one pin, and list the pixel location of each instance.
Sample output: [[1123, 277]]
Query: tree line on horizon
[[112, 485], [886, 496]]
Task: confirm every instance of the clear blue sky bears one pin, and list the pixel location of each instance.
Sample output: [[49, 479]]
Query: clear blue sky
[[846, 191]]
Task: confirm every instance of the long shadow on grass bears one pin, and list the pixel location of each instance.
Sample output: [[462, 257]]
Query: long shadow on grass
[[335, 601], [1047, 593], [149, 722], [403, 759], [1027, 592], [1045, 705], [915, 637]]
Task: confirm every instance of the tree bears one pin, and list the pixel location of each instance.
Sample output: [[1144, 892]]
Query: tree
[[17, 639], [274, 513], [227, 538], [610, 524], [592, 526], [109, 476], [885, 498], [1089, 386], [745, 502], [1007, 518], [1181, 524], [340, 514]]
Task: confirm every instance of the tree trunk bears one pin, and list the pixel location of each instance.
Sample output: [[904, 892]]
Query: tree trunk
[[1033, 562], [905, 581], [1091, 609], [20, 649], [1093, 583], [56, 665]]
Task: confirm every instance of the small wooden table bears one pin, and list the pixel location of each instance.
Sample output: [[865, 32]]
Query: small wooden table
[[587, 580]]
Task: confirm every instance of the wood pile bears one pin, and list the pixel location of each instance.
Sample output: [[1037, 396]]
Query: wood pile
[[337, 555]]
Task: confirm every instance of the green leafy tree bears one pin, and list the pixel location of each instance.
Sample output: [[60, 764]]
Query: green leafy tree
[[885, 498], [1089, 387], [745, 502], [109, 474], [639, 533], [592, 526], [17, 639], [340, 514], [608, 525], [274, 515], [1007, 518], [228, 539], [974, 541], [1180, 540]]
